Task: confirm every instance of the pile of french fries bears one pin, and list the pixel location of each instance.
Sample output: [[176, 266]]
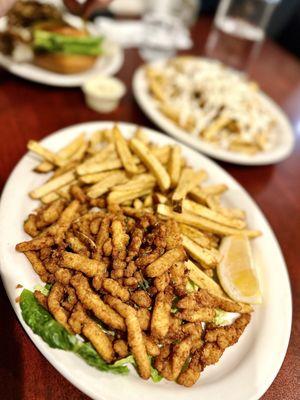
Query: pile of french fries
[[211, 102], [124, 225]]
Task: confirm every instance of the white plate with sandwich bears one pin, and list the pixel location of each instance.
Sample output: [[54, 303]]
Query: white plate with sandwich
[[63, 52]]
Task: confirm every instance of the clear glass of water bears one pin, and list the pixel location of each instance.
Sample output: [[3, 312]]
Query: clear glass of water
[[238, 30], [165, 22]]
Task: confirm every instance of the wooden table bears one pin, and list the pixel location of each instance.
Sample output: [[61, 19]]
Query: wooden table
[[29, 110]]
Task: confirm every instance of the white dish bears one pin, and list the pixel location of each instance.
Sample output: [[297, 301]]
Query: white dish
[[244, 372], [102, 93], [282, 147], [107, 64]]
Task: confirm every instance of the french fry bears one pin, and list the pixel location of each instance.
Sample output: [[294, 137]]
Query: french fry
[[202, 280], [138, 204], [97, 167], [140, 134], [52, 185], [152, 163], [202, 211], [209, 258], [204, 240], [137, 182], [99, 157], [124, 152], [94, 178], [174, 165], [45, 153], [189, 178], [215, 189], [61, 192], [203, 223], [65, 152], [207, 283], [213, 202], [119, 197], [161, 153], [200, 194], [214, 128], [105, 184]]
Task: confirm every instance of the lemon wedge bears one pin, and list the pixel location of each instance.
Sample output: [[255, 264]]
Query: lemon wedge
[[237, 272]]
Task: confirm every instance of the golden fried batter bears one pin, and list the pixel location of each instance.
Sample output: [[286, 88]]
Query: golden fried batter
[[55, 297], [93, 332], [160, 320], [141, 298], [134, 333], [192, 373], [163, 263], [93, 302], [115, 289], [121, 348], [83, 264]]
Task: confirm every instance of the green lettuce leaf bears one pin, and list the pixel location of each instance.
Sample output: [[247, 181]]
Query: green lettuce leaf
[[56, 336], [224, 317], [56, 43]]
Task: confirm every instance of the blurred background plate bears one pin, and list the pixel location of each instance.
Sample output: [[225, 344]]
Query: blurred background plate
[[107, 64], [284, 141]]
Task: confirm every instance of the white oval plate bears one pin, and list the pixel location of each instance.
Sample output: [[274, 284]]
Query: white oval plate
[[245, 371], [284, 141], [107, 64]]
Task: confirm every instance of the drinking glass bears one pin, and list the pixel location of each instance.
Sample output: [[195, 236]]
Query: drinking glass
[[165, 22], [238, 30]]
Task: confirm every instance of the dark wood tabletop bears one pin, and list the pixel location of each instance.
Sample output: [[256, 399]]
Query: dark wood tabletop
[[32, 111]]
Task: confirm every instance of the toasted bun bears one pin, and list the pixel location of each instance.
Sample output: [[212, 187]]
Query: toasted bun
[[64, 63]]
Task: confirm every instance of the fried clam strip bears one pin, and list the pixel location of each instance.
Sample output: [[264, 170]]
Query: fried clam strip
[[202, 298], [189, 178], [218, 339], [160, 320], [207, 213], [83, 264], [152, 163], [124, 152], [102, 236], [189, 218], [163, 263], [208, 284], [202, 314], [134, 333], [191, 374], [55, 298], [115, 289], [172, 366], [93, 302], [38, 266], [59, 229], [208, 258], [81, 323]]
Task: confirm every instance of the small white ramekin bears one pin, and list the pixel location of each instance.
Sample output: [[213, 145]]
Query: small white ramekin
[[103, 93]]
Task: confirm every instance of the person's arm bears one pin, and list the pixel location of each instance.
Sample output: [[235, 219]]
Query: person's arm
[[87, 8], [5, 5]]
